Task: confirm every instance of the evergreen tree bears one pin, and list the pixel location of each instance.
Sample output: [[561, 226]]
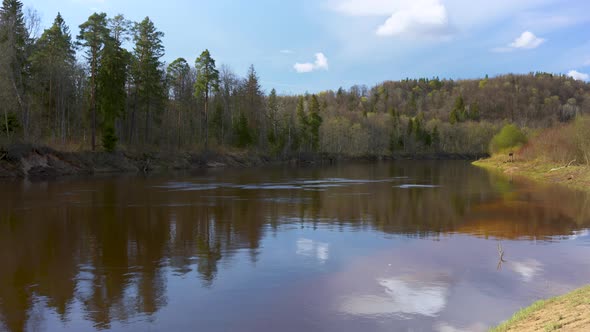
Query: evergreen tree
[[14, 45], [92, 36], [112, 76], [254, 103], [244, 138], [273, 112], [207, 83], [315, 121], [302, 120], [148, 74], [459, 109], [53, 64]]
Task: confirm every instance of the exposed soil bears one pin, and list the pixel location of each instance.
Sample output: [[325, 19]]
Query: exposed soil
[[40, 163], [566, 313], [572, 176]]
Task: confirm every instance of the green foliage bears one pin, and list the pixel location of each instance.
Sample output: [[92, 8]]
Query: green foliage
[[509, 137], [243, 135], [207, 75], [146, 68], [217, 123], [9, 123], [15, 37], [474, 112], [109, 138], [111, 78], [315, 121]]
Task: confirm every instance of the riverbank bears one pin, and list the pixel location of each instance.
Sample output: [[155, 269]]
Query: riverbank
[[572, 175], [570, 312], [41, 163]]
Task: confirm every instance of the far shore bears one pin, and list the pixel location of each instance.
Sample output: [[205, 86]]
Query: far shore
[[25, 161]]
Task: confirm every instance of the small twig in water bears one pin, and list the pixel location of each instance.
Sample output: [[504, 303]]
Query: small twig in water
[[501, 254]]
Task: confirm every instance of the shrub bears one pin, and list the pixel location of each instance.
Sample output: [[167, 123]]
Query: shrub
[[562, 144], [582, 129], [509, 137], [109, 139]]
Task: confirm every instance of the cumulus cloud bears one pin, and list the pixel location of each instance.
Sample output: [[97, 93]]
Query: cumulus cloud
[[320, 63], [420, 18], [578, 76], [406, 18], [527, 40]]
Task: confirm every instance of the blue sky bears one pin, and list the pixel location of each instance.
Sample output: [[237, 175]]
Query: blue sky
[[313, 45]]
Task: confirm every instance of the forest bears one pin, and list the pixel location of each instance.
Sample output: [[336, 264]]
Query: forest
[[108, 89]]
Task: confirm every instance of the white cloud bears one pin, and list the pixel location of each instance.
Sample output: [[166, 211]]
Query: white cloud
[[420, 18], [321, 63], [578, 76], [286, 51], [527, 40], [406, 18]]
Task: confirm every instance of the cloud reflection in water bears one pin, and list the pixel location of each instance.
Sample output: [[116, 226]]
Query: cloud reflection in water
[[400, 297]]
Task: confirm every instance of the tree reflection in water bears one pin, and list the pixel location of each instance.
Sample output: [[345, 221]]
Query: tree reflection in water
[[112, 244]]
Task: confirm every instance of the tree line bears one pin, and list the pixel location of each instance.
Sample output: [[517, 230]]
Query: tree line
[[127, 97]]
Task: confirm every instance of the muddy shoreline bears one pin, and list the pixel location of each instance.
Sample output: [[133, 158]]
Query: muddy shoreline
[[42, 163]]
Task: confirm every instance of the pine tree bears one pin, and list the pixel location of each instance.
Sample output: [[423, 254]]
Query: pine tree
[[207, 83], [459, 109], [315, 121], [148, 74], [254, 103], [273, 112], [303, 121], [53, 63], [92, 36], [14, 67], [112, 76]]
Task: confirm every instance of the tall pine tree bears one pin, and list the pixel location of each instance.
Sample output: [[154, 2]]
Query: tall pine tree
[[93, 34], [207, 83], [148, 74]]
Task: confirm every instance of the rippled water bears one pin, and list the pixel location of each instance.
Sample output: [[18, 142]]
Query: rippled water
[[353, 247]]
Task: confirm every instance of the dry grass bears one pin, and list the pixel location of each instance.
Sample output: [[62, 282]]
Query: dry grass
[[575, 176], [570, 312]]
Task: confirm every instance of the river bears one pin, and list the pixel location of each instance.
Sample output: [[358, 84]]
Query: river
[[391, 246]]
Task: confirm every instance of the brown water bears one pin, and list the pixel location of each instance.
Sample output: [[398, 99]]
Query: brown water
[[356, 247]]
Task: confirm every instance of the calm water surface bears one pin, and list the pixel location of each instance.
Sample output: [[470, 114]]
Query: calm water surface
[[403, 246]]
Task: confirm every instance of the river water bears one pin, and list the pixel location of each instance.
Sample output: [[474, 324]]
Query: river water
[[400, 246]]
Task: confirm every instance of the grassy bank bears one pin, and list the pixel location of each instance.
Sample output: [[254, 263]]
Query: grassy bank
[[570, 312], [573, 176]]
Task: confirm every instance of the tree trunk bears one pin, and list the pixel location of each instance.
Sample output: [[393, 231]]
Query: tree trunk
[[93, 103], [147, 123], [6, 122], [206, 121]]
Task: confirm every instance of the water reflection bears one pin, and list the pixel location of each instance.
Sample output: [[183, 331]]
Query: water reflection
[[124, 253], [400, 297]]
